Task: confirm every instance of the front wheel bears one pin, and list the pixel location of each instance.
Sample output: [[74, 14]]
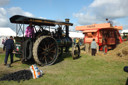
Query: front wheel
[[75, 51]]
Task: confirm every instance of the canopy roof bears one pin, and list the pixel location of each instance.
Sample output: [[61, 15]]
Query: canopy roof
[[19, 19]]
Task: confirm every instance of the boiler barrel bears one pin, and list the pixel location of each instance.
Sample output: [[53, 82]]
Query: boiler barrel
[[65, 42]]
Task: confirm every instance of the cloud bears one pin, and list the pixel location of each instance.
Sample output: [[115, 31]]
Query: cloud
[[110, 8], [84, 19], [98, 10], [3, 17], [18, 11], [4, 2], [99, 3], [5, 14]]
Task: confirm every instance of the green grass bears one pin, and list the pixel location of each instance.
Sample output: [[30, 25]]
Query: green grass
[[87, 70]]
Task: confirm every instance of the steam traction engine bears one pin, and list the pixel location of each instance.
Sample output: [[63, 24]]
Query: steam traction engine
[[50, 39]]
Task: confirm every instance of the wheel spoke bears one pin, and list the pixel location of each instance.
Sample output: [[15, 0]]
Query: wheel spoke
[[45, 47], [51, 58], [52, 48], [41, 57], [41, 48], [53, 51], [52, 45], [43, 52], [44, 58]]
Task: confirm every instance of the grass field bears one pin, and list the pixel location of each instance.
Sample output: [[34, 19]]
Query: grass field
[[87, 70]]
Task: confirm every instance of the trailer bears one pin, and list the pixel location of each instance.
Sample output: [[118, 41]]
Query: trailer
[[106, 36]]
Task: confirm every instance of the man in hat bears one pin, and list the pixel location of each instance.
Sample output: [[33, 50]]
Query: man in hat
[[9, 46]]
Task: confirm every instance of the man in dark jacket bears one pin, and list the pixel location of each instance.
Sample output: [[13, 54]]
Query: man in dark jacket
[[9, 46]]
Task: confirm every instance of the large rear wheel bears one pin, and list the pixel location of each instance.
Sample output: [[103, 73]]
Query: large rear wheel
[[45, 51]]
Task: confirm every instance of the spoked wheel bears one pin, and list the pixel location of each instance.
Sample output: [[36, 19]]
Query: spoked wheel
[[105, 49], [60, 51], [45, 50], [75, 51]]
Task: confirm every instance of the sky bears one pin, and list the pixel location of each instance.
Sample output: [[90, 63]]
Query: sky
[[80, 12]]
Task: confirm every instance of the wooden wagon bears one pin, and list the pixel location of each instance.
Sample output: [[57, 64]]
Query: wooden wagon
[[106, 36]]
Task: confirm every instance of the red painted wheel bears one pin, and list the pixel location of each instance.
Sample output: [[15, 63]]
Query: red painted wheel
[[105, 49]]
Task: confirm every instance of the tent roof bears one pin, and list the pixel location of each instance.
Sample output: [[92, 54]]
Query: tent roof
[[76, 34], [124, 31], [6, 31]]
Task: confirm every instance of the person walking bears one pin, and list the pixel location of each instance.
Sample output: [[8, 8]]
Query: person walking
[[93, 47], [77, 40], [8, 46], [3, 41], [74, 40]]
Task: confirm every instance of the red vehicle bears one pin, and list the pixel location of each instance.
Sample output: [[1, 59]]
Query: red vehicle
[[106, 36]]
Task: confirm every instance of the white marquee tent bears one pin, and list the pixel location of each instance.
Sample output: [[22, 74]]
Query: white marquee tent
[[72, 34], [76, 35], [5, 32], [123, 31]]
